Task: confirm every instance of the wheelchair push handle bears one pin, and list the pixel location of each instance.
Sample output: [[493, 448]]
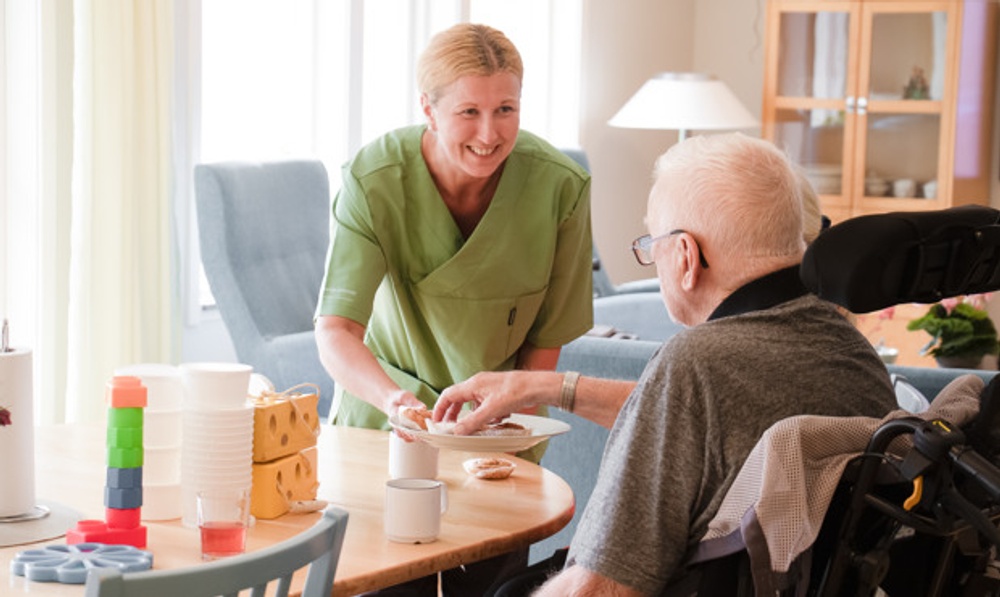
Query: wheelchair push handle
[[980, 469]]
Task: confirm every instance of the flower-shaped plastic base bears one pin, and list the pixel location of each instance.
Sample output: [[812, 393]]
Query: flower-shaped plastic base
[[69, 564]]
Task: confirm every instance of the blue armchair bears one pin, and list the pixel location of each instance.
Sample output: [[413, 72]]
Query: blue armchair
[[632, 307], [603, 286], [264, 231]]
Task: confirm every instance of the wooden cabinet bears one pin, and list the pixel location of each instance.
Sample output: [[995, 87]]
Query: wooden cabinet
[[887, 105]]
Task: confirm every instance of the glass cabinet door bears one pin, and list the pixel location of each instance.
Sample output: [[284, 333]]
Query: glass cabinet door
[[903, 85], [809, 93], [861, 94]]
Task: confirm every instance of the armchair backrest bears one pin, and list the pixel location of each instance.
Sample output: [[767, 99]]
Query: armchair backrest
[[264, 232], [602, 282]]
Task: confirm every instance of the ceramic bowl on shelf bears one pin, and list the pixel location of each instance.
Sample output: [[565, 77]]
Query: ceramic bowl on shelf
[[876, 187], [825, 178]]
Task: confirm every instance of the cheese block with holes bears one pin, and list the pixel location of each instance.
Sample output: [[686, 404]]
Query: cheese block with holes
[[284, 426], [277, 483]]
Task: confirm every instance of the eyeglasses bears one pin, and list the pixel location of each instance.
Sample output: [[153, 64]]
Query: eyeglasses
[[642, 247]]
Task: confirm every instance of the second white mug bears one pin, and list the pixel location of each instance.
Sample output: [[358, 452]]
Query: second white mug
[[413, 509]]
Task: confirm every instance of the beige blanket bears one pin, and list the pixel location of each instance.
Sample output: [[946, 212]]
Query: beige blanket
[[790, 477]]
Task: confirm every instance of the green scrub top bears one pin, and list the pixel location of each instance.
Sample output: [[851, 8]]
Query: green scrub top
[[437, 307]]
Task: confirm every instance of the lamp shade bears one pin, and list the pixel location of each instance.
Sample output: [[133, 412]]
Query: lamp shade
[[684, 101]]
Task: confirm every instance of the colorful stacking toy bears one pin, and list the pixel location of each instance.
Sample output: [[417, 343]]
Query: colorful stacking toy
[[126, 398]]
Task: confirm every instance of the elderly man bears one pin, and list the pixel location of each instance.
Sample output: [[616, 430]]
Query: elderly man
[[725, 234]]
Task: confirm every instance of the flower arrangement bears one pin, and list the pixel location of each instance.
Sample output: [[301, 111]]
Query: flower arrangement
[[959, 328]]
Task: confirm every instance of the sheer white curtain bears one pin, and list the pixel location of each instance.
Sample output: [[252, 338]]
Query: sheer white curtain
[[35, 166], [122, 307]]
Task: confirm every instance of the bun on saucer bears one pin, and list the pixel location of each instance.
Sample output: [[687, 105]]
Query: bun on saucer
[[489, 468]]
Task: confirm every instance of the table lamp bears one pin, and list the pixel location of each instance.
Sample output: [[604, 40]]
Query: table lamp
[[682, 102]]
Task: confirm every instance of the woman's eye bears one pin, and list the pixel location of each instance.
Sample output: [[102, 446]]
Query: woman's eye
[[470, 112]]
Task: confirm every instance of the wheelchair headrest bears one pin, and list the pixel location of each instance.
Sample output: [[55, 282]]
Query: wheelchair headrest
[[873, 262]]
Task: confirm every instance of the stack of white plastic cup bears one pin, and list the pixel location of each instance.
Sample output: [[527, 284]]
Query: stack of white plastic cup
[[162, 437], [218, 431]]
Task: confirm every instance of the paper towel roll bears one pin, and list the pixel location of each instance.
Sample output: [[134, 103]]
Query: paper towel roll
[[17, 440]]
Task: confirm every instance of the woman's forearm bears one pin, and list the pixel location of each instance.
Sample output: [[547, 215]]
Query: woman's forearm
[[352, 365], [533, 358]]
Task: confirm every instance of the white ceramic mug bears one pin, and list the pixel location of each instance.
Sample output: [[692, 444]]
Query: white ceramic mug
[[904, 187], [413, 460], [413, 509], [930, 189]]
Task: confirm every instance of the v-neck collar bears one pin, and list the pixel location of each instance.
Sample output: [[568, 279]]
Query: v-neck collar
[[494, 219]]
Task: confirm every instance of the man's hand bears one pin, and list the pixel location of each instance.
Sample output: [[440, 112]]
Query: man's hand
[[495, 396], [576, 581]]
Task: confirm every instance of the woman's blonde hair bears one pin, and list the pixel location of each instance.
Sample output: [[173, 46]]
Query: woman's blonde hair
[[465, 49]]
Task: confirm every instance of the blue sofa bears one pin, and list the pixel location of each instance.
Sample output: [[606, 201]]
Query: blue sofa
[[576, 456]]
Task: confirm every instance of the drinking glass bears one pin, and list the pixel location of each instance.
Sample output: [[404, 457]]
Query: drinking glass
[[223, 517]]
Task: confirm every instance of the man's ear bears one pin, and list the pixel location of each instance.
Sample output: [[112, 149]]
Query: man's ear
[[689, 261]]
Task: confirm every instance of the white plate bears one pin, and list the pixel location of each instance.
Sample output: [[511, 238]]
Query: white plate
[[542, 428]]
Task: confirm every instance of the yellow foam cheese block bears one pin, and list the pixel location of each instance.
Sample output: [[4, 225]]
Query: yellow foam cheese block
[[284, 426], [279, 482]]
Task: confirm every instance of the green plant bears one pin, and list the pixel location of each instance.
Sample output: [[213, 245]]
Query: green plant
[[957, 329]]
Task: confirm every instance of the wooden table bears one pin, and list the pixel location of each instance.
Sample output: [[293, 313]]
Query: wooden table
[[484, 518]]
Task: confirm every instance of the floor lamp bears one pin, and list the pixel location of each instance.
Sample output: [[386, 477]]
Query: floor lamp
[[684, 102]]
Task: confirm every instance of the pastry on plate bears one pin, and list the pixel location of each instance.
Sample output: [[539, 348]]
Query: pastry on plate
[[501, 429]]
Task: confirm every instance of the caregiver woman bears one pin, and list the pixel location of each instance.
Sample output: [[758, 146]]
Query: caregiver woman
[[457, 246]]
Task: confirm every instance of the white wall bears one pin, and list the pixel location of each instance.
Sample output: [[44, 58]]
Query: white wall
[[626, 42]]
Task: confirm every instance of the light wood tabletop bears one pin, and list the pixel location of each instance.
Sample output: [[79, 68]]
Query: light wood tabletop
[[484, 518]]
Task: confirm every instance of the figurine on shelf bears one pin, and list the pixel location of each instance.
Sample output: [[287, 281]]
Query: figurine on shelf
[[917, 88]]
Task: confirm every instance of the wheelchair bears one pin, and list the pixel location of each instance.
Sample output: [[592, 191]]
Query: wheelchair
[[916, 511]]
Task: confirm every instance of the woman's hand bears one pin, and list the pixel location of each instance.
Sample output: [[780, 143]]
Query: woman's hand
[[399, 398], [495, 396], [391, 406]]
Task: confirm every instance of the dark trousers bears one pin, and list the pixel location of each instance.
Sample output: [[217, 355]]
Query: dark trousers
[[478, 578], [534, 576]]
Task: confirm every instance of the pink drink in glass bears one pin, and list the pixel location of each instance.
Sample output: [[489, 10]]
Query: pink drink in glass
[[222, 539]]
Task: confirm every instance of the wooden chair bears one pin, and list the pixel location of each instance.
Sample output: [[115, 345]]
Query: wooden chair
[[317, 547]]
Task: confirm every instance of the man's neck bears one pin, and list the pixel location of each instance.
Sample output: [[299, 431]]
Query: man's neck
[[764, 292]]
